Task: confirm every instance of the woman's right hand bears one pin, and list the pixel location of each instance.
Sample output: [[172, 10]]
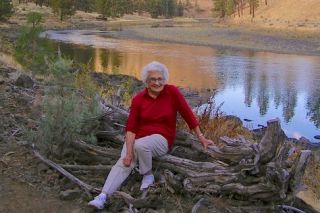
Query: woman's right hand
[[127, 160]]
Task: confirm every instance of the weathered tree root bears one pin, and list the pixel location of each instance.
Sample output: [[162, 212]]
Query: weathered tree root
[[245, 170]]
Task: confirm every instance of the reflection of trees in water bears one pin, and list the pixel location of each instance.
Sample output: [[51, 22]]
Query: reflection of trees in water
[[263, 94], [104, 58], [77, 53], [276, 90], [110, 60], [289, 101], [289, 97], [248, 87], [313, 107]]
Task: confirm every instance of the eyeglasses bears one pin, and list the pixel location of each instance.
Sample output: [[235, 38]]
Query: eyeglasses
[[155, 80]]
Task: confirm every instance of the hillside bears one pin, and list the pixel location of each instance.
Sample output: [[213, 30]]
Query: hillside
[[302, 14]]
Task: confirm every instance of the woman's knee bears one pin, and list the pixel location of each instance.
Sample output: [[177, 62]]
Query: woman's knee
[[139, 147]]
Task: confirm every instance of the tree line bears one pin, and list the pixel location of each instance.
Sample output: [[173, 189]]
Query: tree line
[[223, 8], [107, 8]]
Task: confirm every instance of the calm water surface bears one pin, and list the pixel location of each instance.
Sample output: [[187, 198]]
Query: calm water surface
[[257, 86]]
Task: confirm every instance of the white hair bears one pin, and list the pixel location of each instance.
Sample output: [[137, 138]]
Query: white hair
[[154, 66]]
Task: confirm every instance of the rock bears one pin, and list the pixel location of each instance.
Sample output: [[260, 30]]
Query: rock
[[234, 119], [78, 210], [70, 194], [307, 144], [317, 137], [42, 167], [22, 143], [24, 81], [7, 89]]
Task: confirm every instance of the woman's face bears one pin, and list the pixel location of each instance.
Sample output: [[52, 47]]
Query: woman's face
[[155, 81]]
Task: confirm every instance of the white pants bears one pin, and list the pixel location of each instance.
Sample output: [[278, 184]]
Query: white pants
[[144, 149]]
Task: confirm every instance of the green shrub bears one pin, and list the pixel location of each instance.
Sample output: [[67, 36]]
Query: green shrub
[[65, 109], [6, 9]]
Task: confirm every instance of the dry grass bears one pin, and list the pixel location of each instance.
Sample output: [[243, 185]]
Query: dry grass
[[312, 174], [214, 124]]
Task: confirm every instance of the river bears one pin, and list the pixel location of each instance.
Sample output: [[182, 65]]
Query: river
[[255, 86]]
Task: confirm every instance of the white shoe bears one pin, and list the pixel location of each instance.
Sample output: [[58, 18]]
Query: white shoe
[[98, 201], [147, 181]]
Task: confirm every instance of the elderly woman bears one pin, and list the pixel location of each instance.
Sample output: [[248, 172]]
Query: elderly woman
[[150, 130]]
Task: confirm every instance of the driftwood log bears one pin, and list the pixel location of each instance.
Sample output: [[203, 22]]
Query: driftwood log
[[267, 171]]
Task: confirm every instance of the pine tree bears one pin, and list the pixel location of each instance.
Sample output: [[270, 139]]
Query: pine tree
[[84, 5], [114, 8], [6, 9], [63, 8]]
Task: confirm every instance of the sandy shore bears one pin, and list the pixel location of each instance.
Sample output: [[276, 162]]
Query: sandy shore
[[222, 36]]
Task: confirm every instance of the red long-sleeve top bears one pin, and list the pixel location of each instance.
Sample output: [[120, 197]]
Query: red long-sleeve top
[[159, 115]]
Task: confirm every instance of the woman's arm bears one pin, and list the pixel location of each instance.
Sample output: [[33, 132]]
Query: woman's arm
[[204, 141], [130, 136]]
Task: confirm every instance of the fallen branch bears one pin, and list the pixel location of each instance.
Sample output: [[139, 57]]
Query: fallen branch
[[87, 167], [108, 152], [197, 206], [86, 187], [285, 207], [145, 202]]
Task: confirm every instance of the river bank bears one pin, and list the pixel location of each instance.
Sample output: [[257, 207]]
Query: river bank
[[204, 32]]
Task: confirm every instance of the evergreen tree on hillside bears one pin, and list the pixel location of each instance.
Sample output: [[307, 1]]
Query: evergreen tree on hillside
[[63, 8], [85, 5], [167, 8], [42, 2], [154, 8], [114, 8], [253, 6], [6, 9], [139, 6], [224, 8]]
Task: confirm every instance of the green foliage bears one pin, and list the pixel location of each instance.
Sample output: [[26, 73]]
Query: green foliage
[[63, 8], [139, 6], [85, 5], [167, 8], [61, 71], [6, 9], [28, 50], [180, 9], [223, 8], [34, 18], [66, 109], [42, 2], [117, 8], [114, 8], [63, 121]]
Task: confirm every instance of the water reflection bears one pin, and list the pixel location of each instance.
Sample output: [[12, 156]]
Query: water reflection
[[253, 85]]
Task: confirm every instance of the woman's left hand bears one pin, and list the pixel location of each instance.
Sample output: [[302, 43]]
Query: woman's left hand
[[205, 142]]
